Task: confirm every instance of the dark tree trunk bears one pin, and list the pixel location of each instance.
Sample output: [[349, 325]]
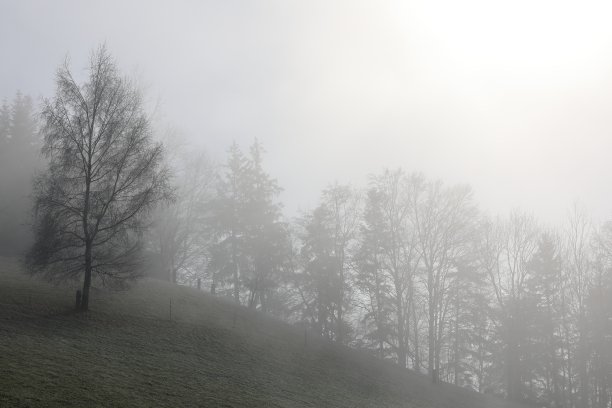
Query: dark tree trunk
[[87, 279]]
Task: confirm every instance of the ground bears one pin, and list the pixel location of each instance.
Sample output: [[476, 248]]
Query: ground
[[159, 345]]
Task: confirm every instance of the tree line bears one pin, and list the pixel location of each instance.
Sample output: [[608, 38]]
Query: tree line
[[406, 268], [411, 270]]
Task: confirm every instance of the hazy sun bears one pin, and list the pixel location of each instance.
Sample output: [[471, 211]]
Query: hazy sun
[[524, 37]]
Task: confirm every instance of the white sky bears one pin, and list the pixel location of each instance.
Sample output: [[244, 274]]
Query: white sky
[[512, 97]]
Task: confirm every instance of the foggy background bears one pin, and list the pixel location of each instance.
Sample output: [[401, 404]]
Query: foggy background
[[513, 98]]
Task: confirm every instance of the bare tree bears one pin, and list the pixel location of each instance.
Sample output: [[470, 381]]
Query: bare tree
[[506, 249], [105, 174], [578, 263], [179, 235], [443, 219], [328, 241], [599, 319], [388, 258]]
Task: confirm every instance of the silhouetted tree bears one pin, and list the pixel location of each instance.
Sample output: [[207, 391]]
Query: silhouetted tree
[[104, 176]]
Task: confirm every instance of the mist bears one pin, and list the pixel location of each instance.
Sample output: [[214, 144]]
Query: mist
[[416, 190], [512, 99]]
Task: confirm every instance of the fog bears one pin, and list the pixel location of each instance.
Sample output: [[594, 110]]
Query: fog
[[329, 203], [513, 98]]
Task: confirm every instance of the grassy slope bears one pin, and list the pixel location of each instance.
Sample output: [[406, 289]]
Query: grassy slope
[[127, 352]]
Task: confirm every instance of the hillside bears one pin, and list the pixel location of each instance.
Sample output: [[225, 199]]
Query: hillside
[[162, 345]]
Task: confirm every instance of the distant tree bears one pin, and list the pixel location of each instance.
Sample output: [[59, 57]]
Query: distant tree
[[599, 312], [105, 174], [251, 245], [179, 235], [5, 123], [22, 130], [370, 279], [444, 221], [474, 344], [268, 244], [316, 279], [19, 161], [328, 242], [389, 258], [507, 249], [545, 285], [578, 263], [226, 220]]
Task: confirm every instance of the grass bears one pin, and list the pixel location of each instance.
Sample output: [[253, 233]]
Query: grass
[[160, 345]]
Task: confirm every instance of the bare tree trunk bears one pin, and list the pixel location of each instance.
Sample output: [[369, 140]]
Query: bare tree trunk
[[582, 362], [87, 279], [86, 234], [456, 346], [431, 332], [432, 345], [417, 350]]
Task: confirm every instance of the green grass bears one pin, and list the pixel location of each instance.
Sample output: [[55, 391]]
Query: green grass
[[127, 351]]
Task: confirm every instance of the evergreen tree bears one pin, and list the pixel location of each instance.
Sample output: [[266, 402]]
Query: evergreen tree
[[5, 124], [389, 236], [267, 237], [315, 280], [251, 244], [371, 280], [328, 241], [19, 161], [545, 281], [226, 219]]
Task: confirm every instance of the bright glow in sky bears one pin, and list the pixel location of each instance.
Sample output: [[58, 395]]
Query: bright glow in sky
[[512, 97]]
